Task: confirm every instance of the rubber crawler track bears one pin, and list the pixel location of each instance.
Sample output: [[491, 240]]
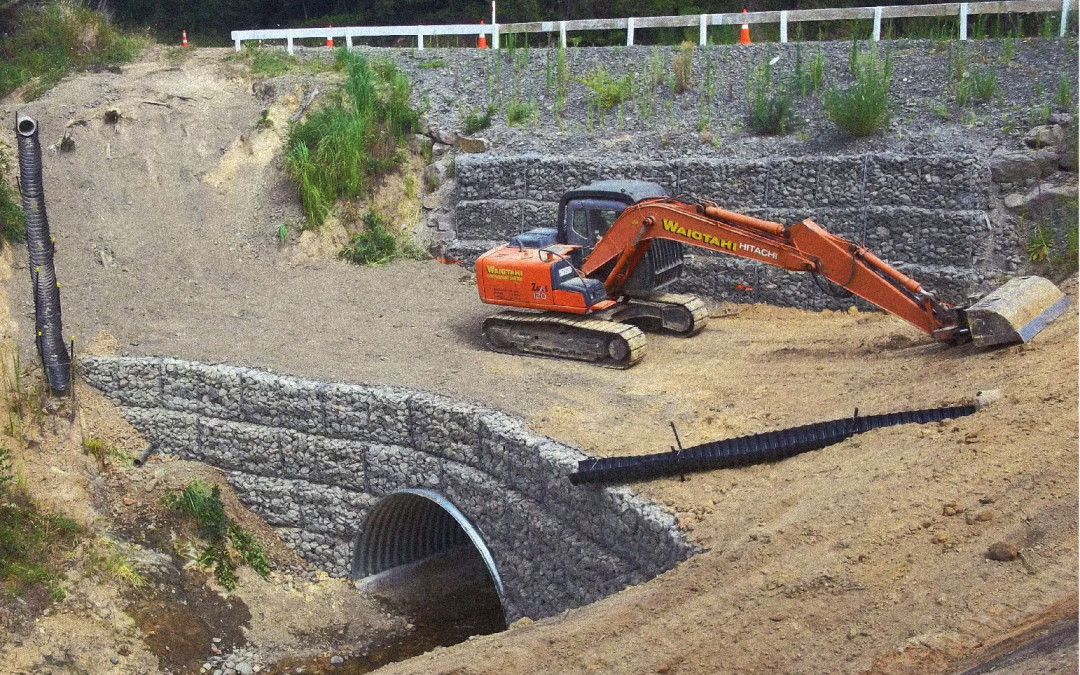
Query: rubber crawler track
[[632, 336], [770, 446]]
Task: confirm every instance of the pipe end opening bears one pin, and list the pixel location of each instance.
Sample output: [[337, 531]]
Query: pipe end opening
[[26, 126]]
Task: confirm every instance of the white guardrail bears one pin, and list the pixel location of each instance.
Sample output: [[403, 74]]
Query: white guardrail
[[703, 21]]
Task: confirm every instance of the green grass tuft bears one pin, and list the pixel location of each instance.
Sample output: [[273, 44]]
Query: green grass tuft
[[478, 121], [607, 92], [47, 42], [771, 110], [12, 224], [377, 244], [353, 138], [863, 107]]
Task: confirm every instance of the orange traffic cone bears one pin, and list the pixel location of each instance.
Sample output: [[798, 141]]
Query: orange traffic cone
[[329, 39], [183, 42], [744, 34], [482, 42]]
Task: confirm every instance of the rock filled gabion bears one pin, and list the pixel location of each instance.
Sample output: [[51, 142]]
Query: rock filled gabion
[[925, 214], [313, 458]]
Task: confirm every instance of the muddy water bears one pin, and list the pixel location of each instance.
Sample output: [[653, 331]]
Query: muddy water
[[447, 599]]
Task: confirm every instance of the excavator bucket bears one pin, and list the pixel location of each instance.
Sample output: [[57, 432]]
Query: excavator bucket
[[1015, 312]]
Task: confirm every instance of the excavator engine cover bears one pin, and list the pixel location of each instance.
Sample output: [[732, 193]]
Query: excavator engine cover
[[532, 278], [1015, 312]]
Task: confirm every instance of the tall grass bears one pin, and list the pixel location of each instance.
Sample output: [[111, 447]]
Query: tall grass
[[49, 41], [341, 146], [863, 107], [771, 109], [12, 224]]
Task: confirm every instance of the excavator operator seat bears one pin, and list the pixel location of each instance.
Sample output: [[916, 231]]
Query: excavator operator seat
[[565, 278]]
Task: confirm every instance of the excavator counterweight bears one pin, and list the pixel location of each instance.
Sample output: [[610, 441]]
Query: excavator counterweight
[[618, 244]]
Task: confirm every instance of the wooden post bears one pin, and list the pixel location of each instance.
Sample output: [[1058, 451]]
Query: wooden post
[[877, 24], [348, 40], [562, 34], [963, 20], [237, 41], [288, 45], [702, 30], [783, 25], [419, 39], [1064, 17], [494, 36], [630, 31]]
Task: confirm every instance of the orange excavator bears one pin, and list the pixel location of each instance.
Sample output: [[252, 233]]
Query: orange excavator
[[588, 288]]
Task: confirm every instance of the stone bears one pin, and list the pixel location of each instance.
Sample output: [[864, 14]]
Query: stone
[[984, 516], [520, 623], [336, 660], [439, 149], [244, 668], [1002, 551], [435, 174], [1048, 160], [473, 145], [1011, 166], [1064, 119], [1045, 135], [986, 398]]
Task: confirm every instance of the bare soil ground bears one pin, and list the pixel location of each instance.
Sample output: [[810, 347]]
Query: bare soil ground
[[869, 556]]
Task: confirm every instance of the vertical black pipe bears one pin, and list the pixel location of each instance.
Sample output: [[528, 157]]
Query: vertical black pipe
[[48, 331]]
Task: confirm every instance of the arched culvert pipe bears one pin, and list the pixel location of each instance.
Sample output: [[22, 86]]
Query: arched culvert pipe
[[411, 525]]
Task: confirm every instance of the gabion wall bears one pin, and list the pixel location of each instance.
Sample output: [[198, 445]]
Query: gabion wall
[[922, 213], [312, 458]]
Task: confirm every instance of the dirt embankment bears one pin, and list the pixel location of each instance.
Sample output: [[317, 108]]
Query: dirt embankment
[[869, 556]]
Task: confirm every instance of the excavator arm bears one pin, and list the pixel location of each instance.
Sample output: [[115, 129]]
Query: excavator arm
[[801, 247]]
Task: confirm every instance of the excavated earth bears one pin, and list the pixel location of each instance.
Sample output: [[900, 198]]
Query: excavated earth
[[868, 556]]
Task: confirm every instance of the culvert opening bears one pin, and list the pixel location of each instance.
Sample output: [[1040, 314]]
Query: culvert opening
[[417, 552]]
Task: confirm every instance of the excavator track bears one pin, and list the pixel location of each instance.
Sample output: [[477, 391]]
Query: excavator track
[[672, 313], [602, 343]]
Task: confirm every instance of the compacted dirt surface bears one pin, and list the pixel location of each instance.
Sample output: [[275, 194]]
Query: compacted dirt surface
[[868, 556]]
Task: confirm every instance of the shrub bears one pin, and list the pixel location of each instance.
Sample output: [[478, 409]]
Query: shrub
[[607, 92], [863, 107], [12, 224], [203, 504], [771, 110], [1063, 95], [984, 83], [476, 121], [517, 112], [374, 245], [351, 139], [48, 42]]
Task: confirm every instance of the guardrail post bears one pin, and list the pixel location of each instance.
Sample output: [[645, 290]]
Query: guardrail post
[[963, 20], [494, 36], [288, 45], [702, 30], [630, 31], [562, 34], [348, 40], [237, 41], [1064, 17], [877, 24], [783, 25], [419, 40]]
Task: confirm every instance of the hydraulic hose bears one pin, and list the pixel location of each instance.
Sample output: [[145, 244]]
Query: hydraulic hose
[[48, 331], [770, 446]]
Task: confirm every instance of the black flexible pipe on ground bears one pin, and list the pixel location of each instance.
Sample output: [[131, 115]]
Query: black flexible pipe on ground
[[49, 333], [770, 446]]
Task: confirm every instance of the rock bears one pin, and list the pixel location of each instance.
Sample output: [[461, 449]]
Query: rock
[[1048, 160], [336, 660], [473, 145], [1064, 119], [853, 310], [244, 668], [951, 509], [987, 500], [984, 515], [1014, 200], [987, 397], [1045, 135], [1011, 166], [115, 660], [439, 149], [1002, 551], [435, 174], [521, 623]]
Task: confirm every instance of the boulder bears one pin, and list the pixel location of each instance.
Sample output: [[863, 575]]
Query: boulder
[[473, 145], [1048, 160], [439, 149], [1011, 166], [435, 174], [1045, 135]]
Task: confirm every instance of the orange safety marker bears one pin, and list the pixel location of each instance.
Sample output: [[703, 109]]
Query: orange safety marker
[[329, 39], [482, 42], [744, 34], [183, 42]]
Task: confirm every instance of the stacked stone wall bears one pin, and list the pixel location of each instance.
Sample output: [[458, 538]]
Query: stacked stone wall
[[312, 458]]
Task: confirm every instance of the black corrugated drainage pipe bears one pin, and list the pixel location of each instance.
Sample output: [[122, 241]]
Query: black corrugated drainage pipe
[[48, 331], [770, 446]]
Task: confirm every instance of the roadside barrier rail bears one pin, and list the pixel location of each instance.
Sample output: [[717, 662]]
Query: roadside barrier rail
[[784, 17]]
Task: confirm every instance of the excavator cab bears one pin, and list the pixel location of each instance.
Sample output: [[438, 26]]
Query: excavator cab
[[587, 213]]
